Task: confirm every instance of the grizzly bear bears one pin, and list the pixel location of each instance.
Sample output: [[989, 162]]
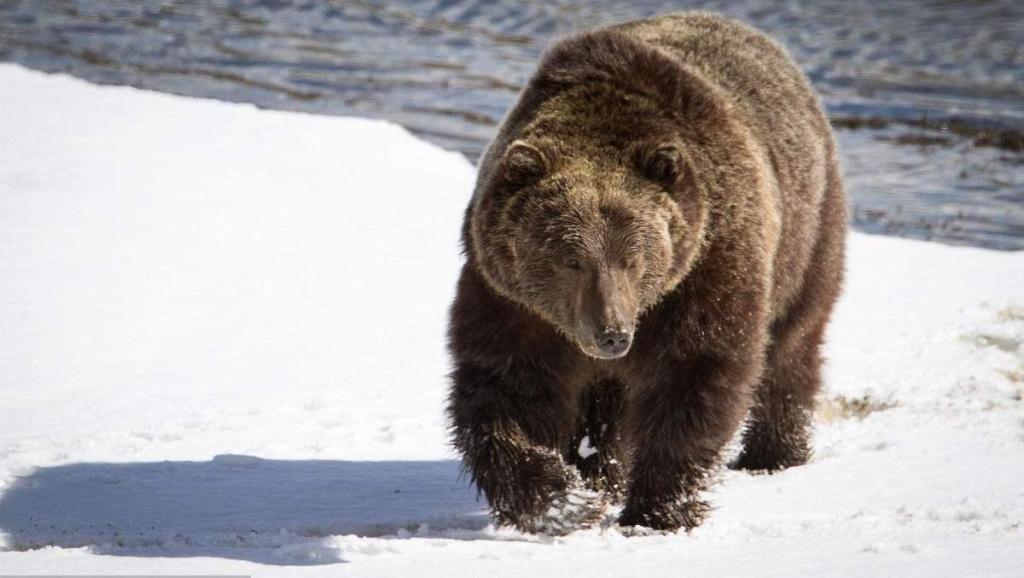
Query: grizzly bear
[[653, 250]]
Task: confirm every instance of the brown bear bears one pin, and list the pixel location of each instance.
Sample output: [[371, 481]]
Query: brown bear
[[653, 250]]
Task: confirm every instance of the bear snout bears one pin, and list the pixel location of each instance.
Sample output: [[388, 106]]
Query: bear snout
[[605, 315], [614, 343], [608, 343]]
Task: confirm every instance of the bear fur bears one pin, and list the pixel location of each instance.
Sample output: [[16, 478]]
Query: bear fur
[[653, 250]]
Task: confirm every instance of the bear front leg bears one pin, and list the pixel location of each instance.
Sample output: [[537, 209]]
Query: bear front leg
[[509, 435], [678, 427]]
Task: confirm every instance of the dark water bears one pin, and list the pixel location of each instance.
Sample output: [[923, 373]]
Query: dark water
[[448, 70]]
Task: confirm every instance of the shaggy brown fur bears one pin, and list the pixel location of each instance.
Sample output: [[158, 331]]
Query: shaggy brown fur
[[653, 248]]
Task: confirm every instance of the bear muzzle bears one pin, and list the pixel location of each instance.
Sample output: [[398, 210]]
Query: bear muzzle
[[608, 343], [605, 313], [614, 343]]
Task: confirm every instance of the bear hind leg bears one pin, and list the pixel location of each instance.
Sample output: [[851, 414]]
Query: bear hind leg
[[776, 435]]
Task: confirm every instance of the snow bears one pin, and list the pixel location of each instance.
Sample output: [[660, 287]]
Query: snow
[[585, 449], [222, 351]]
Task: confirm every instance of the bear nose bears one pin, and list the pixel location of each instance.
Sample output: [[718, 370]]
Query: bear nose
[[614, 343]]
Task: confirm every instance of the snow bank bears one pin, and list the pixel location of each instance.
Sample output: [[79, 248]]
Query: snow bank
[[222, 351]]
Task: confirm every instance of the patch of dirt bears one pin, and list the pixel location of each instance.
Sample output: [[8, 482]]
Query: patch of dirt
[[1000, 342], [1009, 139], [1011, 313], [842, 407]]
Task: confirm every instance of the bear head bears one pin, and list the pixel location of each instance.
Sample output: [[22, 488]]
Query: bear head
[[587, 210]]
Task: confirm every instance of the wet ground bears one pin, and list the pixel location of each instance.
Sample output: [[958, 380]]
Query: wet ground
[[927, 96]]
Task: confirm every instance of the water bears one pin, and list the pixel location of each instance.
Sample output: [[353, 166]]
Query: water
[[449, 69]]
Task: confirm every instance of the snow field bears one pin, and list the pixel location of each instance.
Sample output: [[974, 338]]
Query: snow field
[[222, 351]]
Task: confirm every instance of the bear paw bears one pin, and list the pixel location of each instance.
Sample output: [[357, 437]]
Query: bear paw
[[662, 518], [576, 509], [769, 462]]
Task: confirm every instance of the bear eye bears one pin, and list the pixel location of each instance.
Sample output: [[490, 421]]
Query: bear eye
[[573, 264], [631, 264]]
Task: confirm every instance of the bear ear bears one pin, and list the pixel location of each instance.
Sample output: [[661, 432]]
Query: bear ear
[[661, 163], [524, 163]]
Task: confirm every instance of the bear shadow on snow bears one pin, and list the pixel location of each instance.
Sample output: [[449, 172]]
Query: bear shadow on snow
[[237, 507]]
